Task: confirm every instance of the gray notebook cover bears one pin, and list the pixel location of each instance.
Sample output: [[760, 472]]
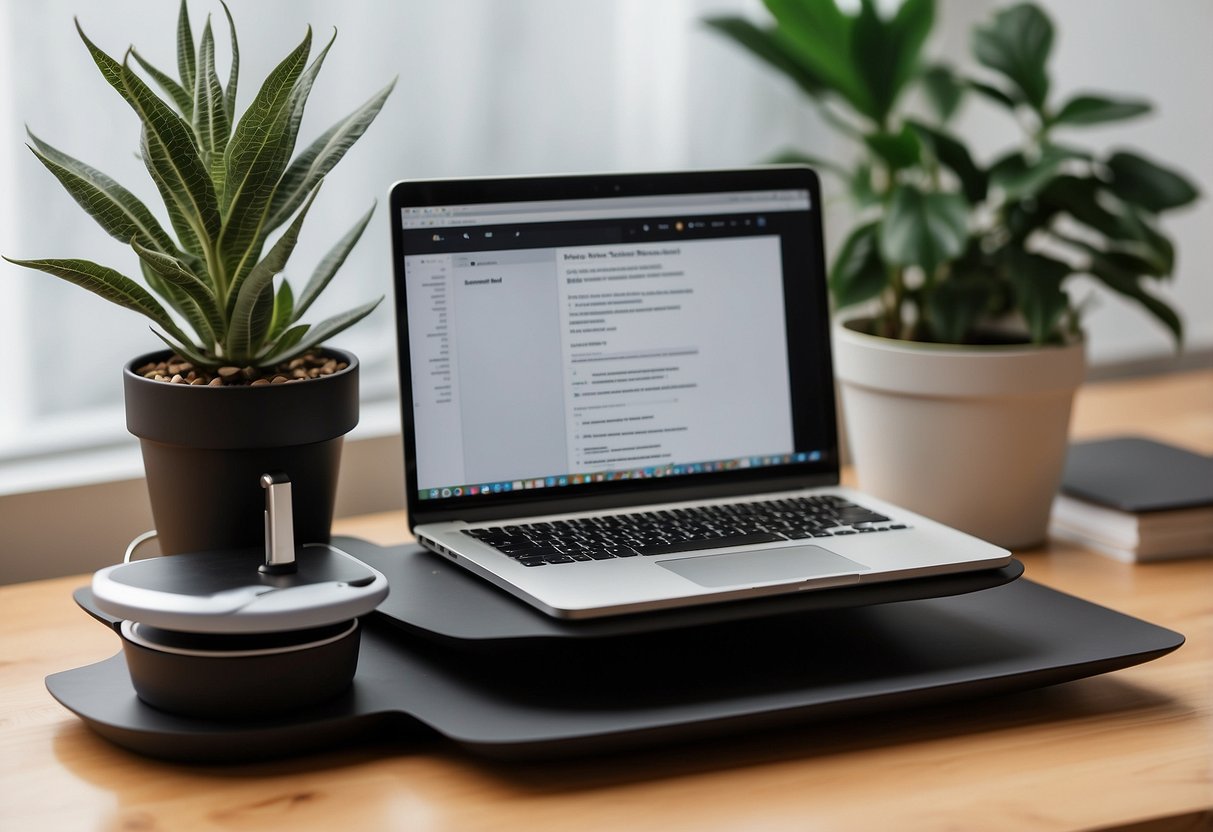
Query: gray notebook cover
[[1138, 475]]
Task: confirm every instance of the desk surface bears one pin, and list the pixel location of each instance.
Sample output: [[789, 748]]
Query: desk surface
[[1106, 752]]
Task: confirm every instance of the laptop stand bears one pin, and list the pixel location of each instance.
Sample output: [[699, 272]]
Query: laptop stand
[[499, 679]]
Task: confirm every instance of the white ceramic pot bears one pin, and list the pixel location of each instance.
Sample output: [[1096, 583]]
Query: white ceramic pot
[[974, 437]]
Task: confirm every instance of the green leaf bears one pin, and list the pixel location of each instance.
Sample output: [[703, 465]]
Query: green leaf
[[1096, 109], [1019, 178], [299, 95], [993, 93], [1142, 182], [1120, 274], [858, 273], [329, 265], [176, 273], [254, 160], [1079, 197], [956, 305], [909, 29], [111, 70], [943, 89], [108, 284], [1042, 302], [233, 76], [179, 301], [897, 150], [1017, 43], [860, 187], [183, 223], [183, 100], [889, 51], [210, 114], [819, 34], [284, 311], [923, 229], [310, 166], [185, 49], [171, 156], [182, 348], [954, 156], [770, 47], [247, 310], [282, 348], [1140, 237], [115, 209], [323, 331], [115, 74]]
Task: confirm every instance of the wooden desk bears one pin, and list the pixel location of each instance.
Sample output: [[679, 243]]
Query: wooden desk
[[1108, 752]]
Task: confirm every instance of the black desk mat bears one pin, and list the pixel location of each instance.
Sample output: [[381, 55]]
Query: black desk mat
[[431, 598], [548, 697]]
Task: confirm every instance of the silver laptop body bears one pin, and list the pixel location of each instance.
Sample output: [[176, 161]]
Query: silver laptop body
[[617, 393]]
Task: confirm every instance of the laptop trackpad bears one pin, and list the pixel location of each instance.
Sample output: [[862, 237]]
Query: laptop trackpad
[[790, 563]]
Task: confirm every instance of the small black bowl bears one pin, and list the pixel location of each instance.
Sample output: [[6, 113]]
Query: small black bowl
[[239, 677]]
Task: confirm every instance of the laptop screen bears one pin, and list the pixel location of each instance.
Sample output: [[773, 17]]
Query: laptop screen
[[583, 343]]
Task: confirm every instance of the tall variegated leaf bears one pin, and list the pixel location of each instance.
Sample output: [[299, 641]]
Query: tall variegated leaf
[[115, 209], [233, 75], [179, 301], [210, 115], [281, 348], [284, 311], [183, 100], [171, 155], [180, 219], [114, 72], [186, 64], [310, 166], [323, 331], [329, 265], [255, 159], [303, 88], [178, 274], [106, 283], [184, 349], [244, 325], [111, 70]]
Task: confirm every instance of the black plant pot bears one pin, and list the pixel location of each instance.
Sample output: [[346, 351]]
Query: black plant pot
[[205, 449]]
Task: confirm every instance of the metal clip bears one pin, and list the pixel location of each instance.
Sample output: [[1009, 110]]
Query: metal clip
[[279, 525]]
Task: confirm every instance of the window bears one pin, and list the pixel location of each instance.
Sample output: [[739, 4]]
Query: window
[[484, 88]]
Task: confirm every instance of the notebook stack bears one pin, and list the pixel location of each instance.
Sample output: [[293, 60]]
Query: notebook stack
[[1136, 499]]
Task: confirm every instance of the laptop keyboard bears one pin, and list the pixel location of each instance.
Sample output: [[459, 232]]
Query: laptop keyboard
[[681, 530]]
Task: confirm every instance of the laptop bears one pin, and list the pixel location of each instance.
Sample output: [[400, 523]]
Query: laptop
[[617, 393]]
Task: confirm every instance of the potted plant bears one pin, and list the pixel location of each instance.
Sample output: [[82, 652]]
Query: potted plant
[[958, 377], [245, 387]]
